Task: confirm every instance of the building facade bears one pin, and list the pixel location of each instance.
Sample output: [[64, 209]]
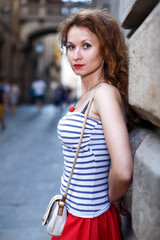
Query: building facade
[[141, 21], [24, 26]]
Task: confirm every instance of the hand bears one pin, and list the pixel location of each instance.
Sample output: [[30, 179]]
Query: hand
[[120, 207]]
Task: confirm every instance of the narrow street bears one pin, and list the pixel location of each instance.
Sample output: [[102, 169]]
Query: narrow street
[[30, 169]]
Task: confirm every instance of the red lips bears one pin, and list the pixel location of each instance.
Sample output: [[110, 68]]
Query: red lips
[[78, 66]]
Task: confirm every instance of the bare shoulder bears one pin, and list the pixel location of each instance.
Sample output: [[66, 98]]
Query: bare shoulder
[[108, 104], [107, 93]]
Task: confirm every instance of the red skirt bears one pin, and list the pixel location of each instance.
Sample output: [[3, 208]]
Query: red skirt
[[104, 227]]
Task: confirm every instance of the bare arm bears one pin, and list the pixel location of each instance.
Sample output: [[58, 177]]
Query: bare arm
[[109, 107]]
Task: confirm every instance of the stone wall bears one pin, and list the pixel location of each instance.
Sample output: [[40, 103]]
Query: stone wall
[[141, 19]]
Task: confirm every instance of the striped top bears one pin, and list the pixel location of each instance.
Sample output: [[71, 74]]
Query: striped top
[[87, 196]]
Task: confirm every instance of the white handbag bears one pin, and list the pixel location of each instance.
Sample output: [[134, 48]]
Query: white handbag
[[55, 222], [56, 214]]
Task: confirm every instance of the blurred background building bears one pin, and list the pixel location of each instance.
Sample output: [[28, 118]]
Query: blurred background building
[[29, 49]]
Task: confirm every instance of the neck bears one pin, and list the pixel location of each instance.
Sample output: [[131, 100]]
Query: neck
[[88, 83]]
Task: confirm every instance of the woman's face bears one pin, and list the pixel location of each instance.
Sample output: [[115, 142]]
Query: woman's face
[[83, 51]]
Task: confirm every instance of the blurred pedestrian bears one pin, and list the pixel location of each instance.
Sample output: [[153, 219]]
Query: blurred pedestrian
[[59, 96], [7, 88], [3, 101], [39, 87], [13, 96]]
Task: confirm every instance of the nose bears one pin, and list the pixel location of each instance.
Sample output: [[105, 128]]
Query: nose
[[77, 54]]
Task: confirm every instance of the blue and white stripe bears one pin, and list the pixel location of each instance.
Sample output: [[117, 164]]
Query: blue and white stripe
[[88, 192]]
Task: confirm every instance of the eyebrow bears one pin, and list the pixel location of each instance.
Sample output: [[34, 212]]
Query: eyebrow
[[81, 41], [69, 42], [86, 40]]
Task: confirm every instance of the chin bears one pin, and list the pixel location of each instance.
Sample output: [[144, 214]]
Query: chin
[[78, 72]]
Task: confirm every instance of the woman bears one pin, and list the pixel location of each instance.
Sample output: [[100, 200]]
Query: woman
[[96, 52]]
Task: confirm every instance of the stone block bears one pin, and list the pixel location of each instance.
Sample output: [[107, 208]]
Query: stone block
[[114, 8], [132, 13], [146, 194], [136, 138], [144, 70]]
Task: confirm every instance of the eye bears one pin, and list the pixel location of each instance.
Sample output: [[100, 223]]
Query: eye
[[86, 45], [70, 47]]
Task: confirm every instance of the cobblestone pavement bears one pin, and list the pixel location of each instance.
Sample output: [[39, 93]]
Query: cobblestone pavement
[[30, 168]]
